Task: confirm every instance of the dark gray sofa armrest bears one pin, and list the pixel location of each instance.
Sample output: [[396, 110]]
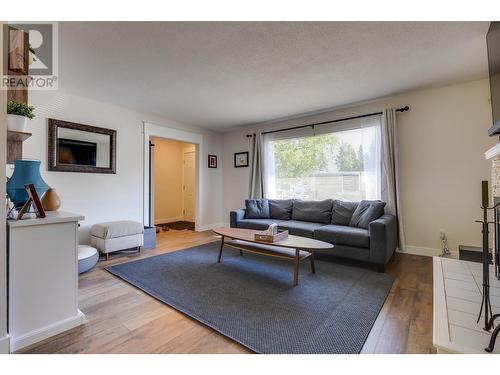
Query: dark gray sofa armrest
[[383, 239], [235, 216]]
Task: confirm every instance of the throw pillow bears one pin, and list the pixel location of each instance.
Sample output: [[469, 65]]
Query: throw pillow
[[256, 209], [313, 211], [366, 212], [280, 209], [342, 212]]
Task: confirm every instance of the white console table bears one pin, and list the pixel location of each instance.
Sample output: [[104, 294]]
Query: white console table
[[43, 278], [457, 301]]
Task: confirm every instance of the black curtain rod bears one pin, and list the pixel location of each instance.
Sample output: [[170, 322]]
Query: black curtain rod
[[402, 109]]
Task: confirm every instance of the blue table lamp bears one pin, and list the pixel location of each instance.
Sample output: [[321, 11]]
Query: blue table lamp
[[26, 171]]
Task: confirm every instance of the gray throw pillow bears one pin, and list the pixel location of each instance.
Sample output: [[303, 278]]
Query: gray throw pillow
[[256, 209], [280, 209], [342, 211], [366, 212], [313, 211]]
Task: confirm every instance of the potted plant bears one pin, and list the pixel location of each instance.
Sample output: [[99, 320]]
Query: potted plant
[[18, 115]]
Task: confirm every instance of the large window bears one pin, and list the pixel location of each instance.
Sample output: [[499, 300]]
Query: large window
[[338, 161]]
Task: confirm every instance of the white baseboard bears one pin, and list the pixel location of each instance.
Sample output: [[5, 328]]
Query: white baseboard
[[40, 334], [425, 251], [5, 345], [169, 220], [201, 228]]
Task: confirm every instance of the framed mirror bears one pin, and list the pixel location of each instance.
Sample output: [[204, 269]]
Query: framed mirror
[[80, 148]]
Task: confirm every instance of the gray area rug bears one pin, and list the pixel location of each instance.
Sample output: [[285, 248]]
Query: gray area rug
[[251, 300]]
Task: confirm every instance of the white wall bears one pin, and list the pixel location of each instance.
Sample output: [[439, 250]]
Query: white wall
[[105, 197], [442, 140]]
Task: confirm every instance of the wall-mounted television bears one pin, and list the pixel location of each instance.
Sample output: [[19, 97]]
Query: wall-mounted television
[[493, 43], [75, 152]]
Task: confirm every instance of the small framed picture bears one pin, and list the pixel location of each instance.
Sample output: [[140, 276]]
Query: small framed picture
[[241, 159], [33, 199], [212, 161]]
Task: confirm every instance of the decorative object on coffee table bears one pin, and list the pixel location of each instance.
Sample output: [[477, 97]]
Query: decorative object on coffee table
[[241, 159], [212, 161], [292, 248], [264, 236], [50, 200]]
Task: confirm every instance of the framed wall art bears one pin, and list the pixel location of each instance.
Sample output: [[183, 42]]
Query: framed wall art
[[241, 159], [212, 161]]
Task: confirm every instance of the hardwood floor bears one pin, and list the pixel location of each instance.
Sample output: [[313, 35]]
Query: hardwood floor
[[123, 319]]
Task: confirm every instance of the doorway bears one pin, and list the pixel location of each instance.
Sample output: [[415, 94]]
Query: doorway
[[173, 184]]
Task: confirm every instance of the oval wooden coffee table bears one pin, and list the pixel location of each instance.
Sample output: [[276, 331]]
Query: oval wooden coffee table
[[294, 248]]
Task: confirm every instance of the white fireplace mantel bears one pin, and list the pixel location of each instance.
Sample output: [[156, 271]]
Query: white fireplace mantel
[[492, 152]]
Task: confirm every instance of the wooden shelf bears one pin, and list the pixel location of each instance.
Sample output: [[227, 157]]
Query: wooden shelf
[[15, 145], [17, 136]]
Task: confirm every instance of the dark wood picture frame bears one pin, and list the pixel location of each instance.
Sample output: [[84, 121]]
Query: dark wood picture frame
[[53, 165], [212, 161], [33, 199], [235, 159]]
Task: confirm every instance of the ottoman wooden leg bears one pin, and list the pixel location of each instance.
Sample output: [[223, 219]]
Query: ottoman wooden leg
[[106, 256], [138, 249]]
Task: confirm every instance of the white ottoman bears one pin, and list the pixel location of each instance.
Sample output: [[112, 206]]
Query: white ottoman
[[87, 258], [117, 235]]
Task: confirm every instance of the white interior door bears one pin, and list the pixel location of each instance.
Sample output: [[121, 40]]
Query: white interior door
[[189, 185]]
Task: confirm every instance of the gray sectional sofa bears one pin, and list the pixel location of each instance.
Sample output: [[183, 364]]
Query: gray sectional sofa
[[359, 230]]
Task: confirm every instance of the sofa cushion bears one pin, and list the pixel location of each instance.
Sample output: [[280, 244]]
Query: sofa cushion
[[257, 224], [312, 211], [342, 211], [280, 209], [256, 209], [343, 235], [299, 228], [366, 212]]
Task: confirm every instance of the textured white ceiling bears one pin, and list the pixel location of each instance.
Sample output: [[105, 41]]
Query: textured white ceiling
[[220, 75]]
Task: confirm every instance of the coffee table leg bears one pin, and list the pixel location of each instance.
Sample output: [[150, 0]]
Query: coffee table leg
[[221, 247], [296, 270], [311, 259]]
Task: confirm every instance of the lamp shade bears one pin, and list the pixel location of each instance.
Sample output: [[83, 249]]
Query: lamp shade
[[26, 171]]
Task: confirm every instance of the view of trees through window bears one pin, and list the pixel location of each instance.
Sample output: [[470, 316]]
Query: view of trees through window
[[342, 165]]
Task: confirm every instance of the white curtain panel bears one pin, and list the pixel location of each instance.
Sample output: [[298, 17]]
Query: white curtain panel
[[390, 181], [256, 183]]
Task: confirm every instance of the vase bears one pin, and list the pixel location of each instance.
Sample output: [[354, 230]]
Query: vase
[[50, 200], [17, 123], [26, 171]]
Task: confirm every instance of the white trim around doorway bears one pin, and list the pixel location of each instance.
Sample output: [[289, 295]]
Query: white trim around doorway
[[153, 130]]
